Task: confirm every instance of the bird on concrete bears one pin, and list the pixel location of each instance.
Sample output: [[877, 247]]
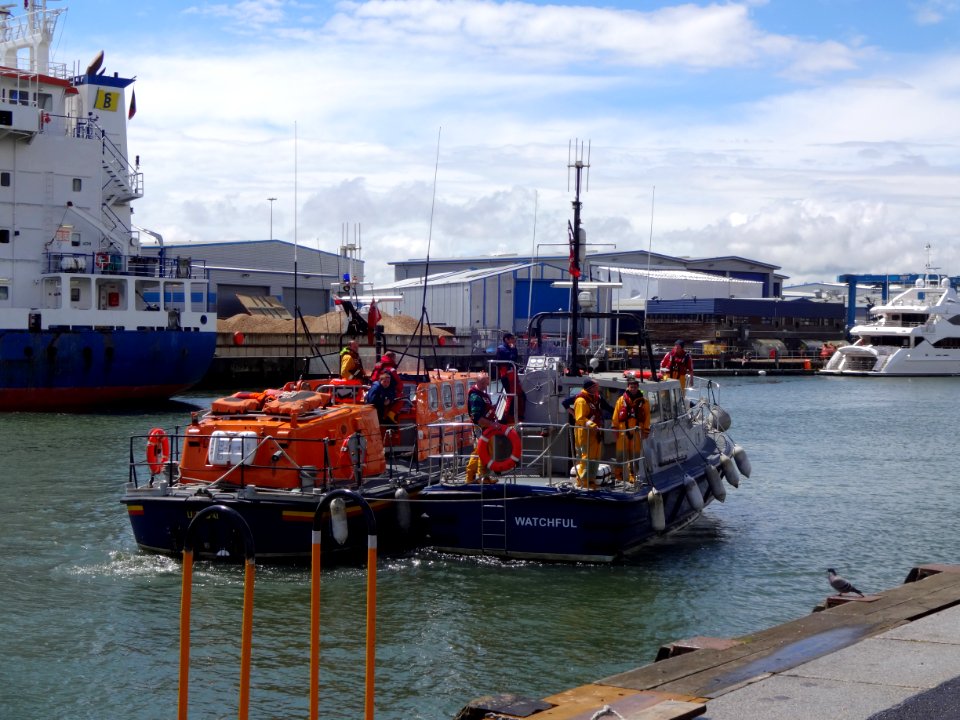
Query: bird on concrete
[[841, 585]]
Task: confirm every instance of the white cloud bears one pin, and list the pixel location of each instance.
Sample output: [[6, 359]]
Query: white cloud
[[819, 156]]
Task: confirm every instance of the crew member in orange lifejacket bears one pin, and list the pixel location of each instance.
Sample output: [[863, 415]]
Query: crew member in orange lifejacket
[[588, 434], [508, 358], [631, 419], [483, 414], [351, 366], [388, 364], [677, 364]]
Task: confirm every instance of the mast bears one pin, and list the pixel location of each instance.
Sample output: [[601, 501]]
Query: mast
[[578, 241]]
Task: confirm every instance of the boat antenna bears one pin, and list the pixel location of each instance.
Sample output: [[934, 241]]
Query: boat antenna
[[533, 254], [296, 299], [646, 292], [424, 316], [577, 237]]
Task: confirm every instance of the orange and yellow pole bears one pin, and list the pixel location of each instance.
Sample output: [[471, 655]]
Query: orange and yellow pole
[[185, 600]]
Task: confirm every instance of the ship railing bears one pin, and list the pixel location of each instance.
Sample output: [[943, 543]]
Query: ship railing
[[110, 263]]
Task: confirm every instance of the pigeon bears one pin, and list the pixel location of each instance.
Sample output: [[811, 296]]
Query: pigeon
[[840, 585]]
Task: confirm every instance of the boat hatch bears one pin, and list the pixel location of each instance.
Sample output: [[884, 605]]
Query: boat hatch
[[231, 448]]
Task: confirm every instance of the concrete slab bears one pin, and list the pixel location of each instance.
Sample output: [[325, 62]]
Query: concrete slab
[[875, 661], [943, 626], [796, 698]]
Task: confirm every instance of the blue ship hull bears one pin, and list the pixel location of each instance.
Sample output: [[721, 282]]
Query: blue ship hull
[[75, 369]]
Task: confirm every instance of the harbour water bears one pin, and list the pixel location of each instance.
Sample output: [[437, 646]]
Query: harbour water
[[848, 473]]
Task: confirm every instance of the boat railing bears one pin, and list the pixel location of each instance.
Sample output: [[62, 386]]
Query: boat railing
[[548, 452], [238, 468]]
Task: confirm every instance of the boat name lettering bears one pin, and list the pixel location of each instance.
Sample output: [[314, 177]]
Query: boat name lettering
[[545, 522]]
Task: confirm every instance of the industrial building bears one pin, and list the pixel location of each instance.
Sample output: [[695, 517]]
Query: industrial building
[[266, 268]]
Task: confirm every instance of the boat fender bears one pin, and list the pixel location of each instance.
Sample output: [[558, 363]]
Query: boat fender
[[716, 483], [352, 445], [338, 520], [158, 450], [655, 504], [743, 462], [484, 448], [403, 508], [730, 471], [694, 496], [719, 419]]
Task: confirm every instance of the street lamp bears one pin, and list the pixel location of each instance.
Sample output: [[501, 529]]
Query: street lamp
[[271, 200]]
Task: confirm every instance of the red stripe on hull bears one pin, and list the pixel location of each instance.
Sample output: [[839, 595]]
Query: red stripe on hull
[[64, 399]]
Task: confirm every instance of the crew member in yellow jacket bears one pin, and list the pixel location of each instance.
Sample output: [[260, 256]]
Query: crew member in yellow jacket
[[588, 434], [631, 420], [351, 366]]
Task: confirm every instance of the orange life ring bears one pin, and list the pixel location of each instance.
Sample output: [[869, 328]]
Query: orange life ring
[[102, 260], [46, 117], [516, 448], [158, 450]]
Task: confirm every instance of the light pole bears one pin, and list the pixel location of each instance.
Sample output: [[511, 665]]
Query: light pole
[[271, 201]]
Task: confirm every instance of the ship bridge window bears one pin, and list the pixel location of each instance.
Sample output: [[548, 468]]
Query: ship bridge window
[[5, 179], [4, 292], [45, 101], [4, 235], [77, 184]]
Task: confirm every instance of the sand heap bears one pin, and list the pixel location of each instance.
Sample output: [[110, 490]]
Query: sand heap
[[333, 323]]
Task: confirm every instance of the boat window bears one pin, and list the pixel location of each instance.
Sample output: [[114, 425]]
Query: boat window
[[667, 408], [447, 396], [5, 179], [4, 235], [654, 402], [77, 184], [459, 393], [4, 292], [433, 398]]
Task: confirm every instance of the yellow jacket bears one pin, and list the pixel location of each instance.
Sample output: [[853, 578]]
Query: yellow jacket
[[587, 418], [629, 413], [351, 368]]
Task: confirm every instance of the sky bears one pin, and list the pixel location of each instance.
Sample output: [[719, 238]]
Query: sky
[[819, 136]]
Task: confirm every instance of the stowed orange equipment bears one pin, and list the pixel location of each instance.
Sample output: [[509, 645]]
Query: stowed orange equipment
[[516, 448], [158, 450]]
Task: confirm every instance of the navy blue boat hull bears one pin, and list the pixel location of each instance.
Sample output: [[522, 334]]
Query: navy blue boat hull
[[562, 524], [282, 528]]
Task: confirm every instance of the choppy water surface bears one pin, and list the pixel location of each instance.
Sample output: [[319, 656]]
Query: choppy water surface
[[852, 473]]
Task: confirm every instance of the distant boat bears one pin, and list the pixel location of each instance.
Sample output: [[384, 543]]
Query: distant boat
[[916, 333], [86, 319]]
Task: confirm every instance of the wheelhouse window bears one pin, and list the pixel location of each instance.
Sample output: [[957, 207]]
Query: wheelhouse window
[[5, 179]]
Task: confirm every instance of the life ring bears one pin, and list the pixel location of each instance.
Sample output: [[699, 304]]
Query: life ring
[[516, 448], [158, 450], [46, 118], [102, 260]]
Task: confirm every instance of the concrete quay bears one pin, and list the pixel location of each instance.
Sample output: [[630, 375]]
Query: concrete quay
[[890, 656]]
